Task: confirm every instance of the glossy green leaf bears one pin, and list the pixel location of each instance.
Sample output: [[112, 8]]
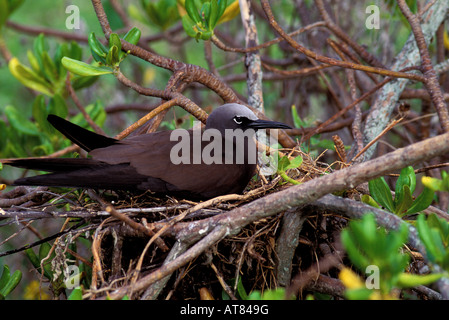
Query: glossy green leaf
[[84, 69], [132, 36], [98, 50]]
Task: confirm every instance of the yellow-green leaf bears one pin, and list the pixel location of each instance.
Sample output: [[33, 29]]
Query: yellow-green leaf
[[28, 77]]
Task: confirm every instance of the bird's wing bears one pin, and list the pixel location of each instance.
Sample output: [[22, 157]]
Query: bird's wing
[[150, 155]]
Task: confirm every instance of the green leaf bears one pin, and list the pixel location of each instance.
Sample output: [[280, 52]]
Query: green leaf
[[98, 50], [205, 14], [295, 163], [19, 122], [189, 26], [13, 281], [33, 258], [84, 69], [79, 82], [405, 202], [58, 106], [192, 11], [34, 63], [76, 294], [50, 70], [113, 56], [3, 12], [424, 232], [222, 4], [423, 201], [6, 274], [114, 40], [406, 178], [408, 280], [39, 110], [366, 198], [283, 163], [380, 192], [296, 118], [241, 290], [40, 46], [132, 36]]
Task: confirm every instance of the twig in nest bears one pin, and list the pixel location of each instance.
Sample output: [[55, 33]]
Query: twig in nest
[[384, 131], [159, 242], [223, 283]]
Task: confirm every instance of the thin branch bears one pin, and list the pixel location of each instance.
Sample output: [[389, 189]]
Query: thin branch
[[430, 77]]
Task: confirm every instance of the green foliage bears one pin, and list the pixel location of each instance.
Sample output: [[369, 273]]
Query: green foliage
[[7, 7], [24, 137], [58, 280], [371, 246], [8, 281], [162, 13], [202, 17], [46, 74], [107, 59], [316, 141], [403, 202], [434, 233], [241, 294], [285, 164]]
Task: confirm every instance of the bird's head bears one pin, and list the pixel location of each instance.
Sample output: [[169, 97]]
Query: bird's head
[[236, 116]]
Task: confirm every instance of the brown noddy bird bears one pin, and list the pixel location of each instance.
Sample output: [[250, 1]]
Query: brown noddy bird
[[145, 162]]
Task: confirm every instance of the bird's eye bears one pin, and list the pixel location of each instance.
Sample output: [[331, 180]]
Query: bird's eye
[[238, 120]]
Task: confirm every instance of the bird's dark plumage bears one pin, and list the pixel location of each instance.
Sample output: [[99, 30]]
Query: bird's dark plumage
[[143, 162]]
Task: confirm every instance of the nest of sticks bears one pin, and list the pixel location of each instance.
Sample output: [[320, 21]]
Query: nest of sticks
[[143, 247]]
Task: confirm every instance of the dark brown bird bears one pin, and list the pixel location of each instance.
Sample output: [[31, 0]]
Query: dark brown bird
[[160, 161]]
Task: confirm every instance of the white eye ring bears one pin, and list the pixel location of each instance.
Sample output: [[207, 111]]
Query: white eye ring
[[238, 120]]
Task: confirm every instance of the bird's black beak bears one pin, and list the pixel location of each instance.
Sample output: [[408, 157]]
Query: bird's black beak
[[266, 124]]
